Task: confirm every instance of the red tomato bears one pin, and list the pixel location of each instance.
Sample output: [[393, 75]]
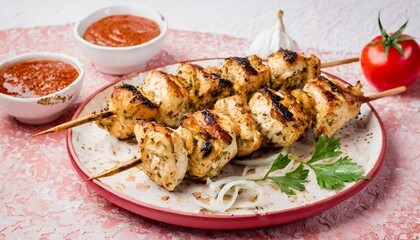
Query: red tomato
[[395, 70]]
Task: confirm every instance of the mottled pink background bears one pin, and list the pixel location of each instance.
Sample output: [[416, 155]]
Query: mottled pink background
[[42, 196]]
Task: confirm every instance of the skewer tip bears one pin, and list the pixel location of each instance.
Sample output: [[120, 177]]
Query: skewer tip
[[76, 122], [41, 133]]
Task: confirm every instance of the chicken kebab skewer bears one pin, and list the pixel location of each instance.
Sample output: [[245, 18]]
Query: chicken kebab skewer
[[208, 139], [162, 97]]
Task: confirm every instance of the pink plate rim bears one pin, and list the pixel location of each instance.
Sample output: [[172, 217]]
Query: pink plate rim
[[213, 221]]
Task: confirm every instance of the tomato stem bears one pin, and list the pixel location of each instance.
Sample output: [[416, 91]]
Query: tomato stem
[[392, 40]]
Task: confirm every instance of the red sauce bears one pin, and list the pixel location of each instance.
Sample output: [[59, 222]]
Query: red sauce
[[36, 78], [121, 31]]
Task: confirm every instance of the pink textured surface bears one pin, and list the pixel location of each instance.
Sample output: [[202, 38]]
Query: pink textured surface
[[41, 195]]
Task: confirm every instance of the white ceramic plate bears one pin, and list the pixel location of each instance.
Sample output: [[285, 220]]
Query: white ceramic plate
[[92, 151]]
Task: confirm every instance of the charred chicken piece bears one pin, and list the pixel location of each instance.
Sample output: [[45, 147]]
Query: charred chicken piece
[[248, 138], [166, 92], [203, 88], [290, 70], [209, 141], [164, 157], [280, 118], [334, 104], [307, 103], [128, 104], [246, 74]]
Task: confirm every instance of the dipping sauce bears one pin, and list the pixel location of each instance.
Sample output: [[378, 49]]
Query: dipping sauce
[[121, 31], [36, 78]]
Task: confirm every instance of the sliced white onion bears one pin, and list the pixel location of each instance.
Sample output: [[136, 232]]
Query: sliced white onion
[[231, 186]]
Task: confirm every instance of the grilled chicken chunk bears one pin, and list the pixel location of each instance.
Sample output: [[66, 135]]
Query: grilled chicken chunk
[[209, 142], [203, 88], [246, 74], [334, 104], [307, 103], [128, 105], [212, 69], [166, 92], [280, 119], [290, 70], [164, 157], [248, 138]]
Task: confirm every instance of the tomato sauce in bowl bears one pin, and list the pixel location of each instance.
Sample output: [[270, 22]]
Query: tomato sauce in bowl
[[36, 78], [121, 31]]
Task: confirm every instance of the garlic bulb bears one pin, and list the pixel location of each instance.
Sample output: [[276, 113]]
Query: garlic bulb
[[271, 40]]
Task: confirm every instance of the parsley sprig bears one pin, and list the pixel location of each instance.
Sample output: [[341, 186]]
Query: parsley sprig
[[335, 174], [293, 180], [331, 175], [325, 148]]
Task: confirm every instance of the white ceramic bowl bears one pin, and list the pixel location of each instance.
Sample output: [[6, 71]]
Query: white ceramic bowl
[[40, 110], [121, 60]]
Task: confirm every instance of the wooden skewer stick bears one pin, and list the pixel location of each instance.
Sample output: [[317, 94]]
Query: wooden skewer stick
[[387, 93], [117, 169], [77, 122], [339, 62]]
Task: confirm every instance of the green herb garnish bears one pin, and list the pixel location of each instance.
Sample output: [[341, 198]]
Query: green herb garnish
[[333, 175], [325, 148], [329, 175], [292, 180]]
